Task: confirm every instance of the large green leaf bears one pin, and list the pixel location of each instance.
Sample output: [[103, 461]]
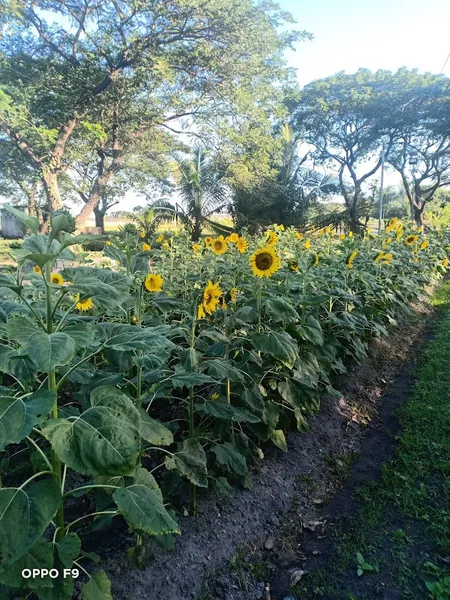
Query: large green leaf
[[220, 409], [278, 439], [153, 431], [68, 548], [20, 329], [190, 462], [280, 310], [48, 351], [188, 379], [39, 556], [103, 440], [142, 505], [18, 416], [8, 281], [222, 368], [24, 516], [229, 457], [81, 333], [280, 345], [137, 338], [311, 330], [97, 588]]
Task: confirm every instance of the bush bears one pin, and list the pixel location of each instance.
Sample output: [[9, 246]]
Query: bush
[[94, 245]]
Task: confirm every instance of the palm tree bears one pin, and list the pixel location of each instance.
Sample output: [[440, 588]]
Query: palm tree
[[202, 192]]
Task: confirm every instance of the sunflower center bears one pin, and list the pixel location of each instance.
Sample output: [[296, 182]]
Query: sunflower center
[[264, 261], [218, 245]]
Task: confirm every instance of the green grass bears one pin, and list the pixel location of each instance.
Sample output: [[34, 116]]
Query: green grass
[[403, 527]]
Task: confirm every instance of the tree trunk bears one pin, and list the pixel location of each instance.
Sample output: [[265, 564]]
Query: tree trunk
[[418, 213], [100, 218], [95, 196], [50, 183]]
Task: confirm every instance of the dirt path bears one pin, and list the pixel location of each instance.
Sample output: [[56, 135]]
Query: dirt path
[[221, 554]]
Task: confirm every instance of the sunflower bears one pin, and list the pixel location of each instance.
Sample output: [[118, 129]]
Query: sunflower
[[350, 234], [411, 239], [160, 238], [208, 241], [84, 304], [214, 396], [392, 224], [342, 236], [351, 259], [328, 230], [142, 234], [320, 233], [299, 235], [384, 258], [165, 245], [316, 260], [153, 282], [134, 319], [222, 303], [281, 227], [271, 238], [445, 263], [219, 245], [242, 245], [424, 245], [196, 248], [201, 312], [233, 238], [56, 278], [293, 265], [233, 294], [108, 243], [211, 297], [307, 244], [146, 247], [264, 262], [37, 269]]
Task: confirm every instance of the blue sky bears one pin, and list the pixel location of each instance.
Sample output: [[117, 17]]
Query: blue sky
[[375, 34]]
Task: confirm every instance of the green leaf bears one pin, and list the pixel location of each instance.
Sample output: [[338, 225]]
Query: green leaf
[[280, 310], [142, 505], [220, 409], [311, 331], [153, 431], [68, 549], [186, 379], [97, 588], [278, 439], [137, 338], [39, 556], [18, 416], [48, 351], [229, 457], [31, 222], [280, 345], [7, 281], [222, 368], [81, 333], [24, 516], [190, 462], [103, 440], [20, 329]]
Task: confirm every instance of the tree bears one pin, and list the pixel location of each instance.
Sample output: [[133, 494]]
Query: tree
[[346, 120], [18, 182], [288, 195], [201, 189], [421, 152], [164, 64]]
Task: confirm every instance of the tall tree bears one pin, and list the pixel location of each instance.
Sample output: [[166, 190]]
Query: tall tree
[[420, 106], [345, 119], [288, 194], [165, 64]]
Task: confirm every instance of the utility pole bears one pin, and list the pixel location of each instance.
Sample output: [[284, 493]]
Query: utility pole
[[380, 214]]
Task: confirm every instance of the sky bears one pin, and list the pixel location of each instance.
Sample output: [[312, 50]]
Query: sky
[[373, 34]]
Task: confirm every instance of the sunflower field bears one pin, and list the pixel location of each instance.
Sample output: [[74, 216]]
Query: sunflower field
[[127, 388]]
